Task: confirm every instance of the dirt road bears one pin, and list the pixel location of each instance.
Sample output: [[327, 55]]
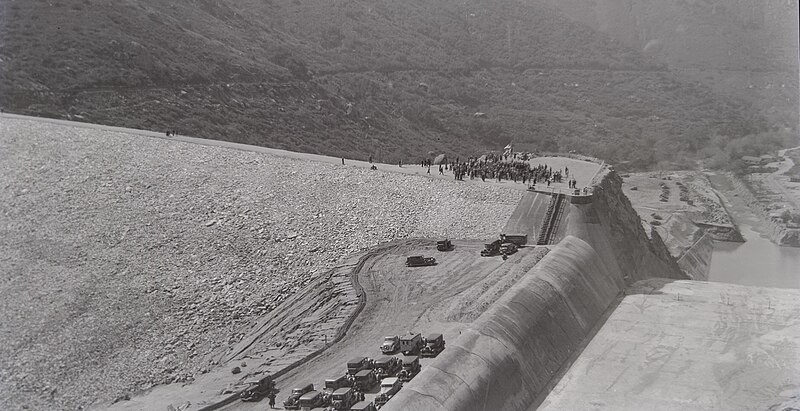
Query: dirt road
[[442, 298]]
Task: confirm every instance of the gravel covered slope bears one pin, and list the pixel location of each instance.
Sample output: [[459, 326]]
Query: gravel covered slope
[[124, 259]]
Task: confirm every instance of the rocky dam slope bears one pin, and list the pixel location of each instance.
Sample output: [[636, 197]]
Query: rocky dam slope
[[129, 262]]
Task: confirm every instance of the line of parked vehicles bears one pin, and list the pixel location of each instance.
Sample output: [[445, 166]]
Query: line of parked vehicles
[[363, 374]]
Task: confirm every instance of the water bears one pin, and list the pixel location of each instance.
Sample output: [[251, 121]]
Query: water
[[757, 262]]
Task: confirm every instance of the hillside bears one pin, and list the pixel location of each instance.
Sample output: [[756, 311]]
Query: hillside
[[390, 79], [742, 48]]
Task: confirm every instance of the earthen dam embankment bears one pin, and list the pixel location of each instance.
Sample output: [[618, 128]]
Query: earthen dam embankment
[[510, 356]]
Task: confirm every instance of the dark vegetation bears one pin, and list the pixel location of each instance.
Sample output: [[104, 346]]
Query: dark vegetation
[[384, 78]]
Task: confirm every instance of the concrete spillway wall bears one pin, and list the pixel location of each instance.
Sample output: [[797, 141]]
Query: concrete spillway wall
[[509, 356]]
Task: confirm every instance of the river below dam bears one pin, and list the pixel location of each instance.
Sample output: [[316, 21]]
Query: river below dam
[[756, 262]]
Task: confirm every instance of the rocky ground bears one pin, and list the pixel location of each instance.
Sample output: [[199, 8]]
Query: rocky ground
[[128, 261], [772, 194]]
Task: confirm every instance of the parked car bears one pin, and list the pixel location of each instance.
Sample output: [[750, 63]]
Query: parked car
[[333, 384], [363, 406], [390, 386], [343, 399], [293, 402], [387, 367], [357, 364], [420, 261], [311, 399], [364, 380]]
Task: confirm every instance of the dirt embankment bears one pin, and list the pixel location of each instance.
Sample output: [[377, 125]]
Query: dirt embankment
[[754, 191], [686, 212], [509, 357], [131, 262]]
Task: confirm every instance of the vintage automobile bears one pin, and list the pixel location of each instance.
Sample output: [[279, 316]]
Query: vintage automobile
[[364, 380], [333, 384], [434, 344], [363, 406], [444, 245], [411, 368], [387, 367], [390, 344], [411, 344], [389, 387], [343, 399], [491, 249], [311, 399], [357, 364], [293, 402], [258, 389], [508, 248], [420, 261]]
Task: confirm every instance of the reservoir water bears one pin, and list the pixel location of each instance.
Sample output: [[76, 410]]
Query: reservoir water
[[757, 262]]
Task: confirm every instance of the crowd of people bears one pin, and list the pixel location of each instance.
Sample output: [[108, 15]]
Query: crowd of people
[[508, 166]]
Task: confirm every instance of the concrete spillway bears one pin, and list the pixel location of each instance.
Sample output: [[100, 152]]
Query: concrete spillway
[[510, 355], [690, 345]]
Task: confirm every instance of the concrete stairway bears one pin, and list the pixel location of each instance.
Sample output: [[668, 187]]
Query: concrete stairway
[[552, 218]]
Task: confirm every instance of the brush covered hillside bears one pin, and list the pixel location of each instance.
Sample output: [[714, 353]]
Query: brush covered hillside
[[742, 48], [395, 80]]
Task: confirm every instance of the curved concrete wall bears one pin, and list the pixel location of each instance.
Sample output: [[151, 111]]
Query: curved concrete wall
[[507, 357]]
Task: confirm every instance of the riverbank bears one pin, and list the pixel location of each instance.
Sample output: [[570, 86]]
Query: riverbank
[[683, 208], [775, 198]]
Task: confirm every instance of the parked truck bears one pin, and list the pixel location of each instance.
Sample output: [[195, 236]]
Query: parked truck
[[491, 249], [411, 344], [444, 245], [518, 239], [434, 344], [390, 344], [508, 248], [258, 389], [411, 368]]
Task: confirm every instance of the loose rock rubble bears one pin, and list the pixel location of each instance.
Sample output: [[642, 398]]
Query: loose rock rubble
[[127, 260]]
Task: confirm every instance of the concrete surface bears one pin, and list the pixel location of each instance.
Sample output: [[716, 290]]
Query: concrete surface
[[528, 215], [690, 346], [507, 357]]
